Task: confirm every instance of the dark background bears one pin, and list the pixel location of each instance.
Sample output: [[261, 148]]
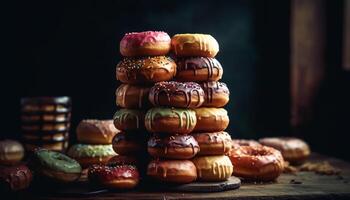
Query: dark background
[[53, 48]]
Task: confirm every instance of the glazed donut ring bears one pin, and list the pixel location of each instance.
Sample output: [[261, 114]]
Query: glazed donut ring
[[56, 166], [214, 143], [184, 45], [132, 96], [216, 94], [145, 70], [213, 168], [172, 171], [198, 69], [88, 154], [211, 119], [128, 144], [129, 120], [14, 178], [259, 163], [293, 150], [176, 94], [114, 176], [11, 152], [148, 43], [243, 142], [170, 120], [92, 131], [173, 147]]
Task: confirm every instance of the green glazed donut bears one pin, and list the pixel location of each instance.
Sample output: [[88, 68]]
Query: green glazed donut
[[56, 165]]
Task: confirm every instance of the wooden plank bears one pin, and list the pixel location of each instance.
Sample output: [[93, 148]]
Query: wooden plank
[[306, 185], [307, 57], [346, 36]]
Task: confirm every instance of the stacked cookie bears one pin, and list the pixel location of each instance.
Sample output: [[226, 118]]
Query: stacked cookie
[[144, 64], [45, 122], [94, 142], [196, 62]]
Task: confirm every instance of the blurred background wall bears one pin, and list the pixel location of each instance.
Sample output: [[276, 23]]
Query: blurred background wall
[[53, 48]]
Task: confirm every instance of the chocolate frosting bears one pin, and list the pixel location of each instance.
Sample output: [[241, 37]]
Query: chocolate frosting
[[173, 141], [174, 88]]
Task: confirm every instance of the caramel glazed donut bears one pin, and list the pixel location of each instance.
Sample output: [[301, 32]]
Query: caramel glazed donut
[[214, 143], [211, 119], [170, 120], [198, 69], [213, 168], [132, 96], [176, 94], [145, 70], [184, 45], [151, 43], [293, 150], [94, 131], [172, 171], [259, 163]]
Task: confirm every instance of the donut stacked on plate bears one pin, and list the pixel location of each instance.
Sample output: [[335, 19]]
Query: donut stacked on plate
[[94, 142], [144, 63], [196, 62], [45, 122]]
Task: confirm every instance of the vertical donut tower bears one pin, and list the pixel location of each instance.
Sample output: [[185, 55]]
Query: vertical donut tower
[[195, 58], [45, 122], [143, 64]]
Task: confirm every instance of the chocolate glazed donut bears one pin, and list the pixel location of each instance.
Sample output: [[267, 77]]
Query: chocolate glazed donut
[[176, 94], [216, 94], [198, 69], [173, 147]]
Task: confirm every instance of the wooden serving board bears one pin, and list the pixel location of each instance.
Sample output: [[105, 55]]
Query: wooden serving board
[[231, 184]]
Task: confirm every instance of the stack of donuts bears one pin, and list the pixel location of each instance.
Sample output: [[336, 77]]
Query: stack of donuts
[[94, 142], [144, 63], [45, 122], [195, 58]]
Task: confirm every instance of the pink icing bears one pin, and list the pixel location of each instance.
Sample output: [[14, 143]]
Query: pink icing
[[141, 38]]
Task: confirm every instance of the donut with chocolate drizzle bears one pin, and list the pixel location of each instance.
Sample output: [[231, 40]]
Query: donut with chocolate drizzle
[[145, 70], [198, 69], [176, 94], [216, 94], [173, 147]]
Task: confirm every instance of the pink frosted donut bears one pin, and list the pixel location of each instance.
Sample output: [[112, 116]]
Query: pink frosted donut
[[148, 43]]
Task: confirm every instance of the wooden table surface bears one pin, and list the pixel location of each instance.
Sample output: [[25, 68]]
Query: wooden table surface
[[303, 185]]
